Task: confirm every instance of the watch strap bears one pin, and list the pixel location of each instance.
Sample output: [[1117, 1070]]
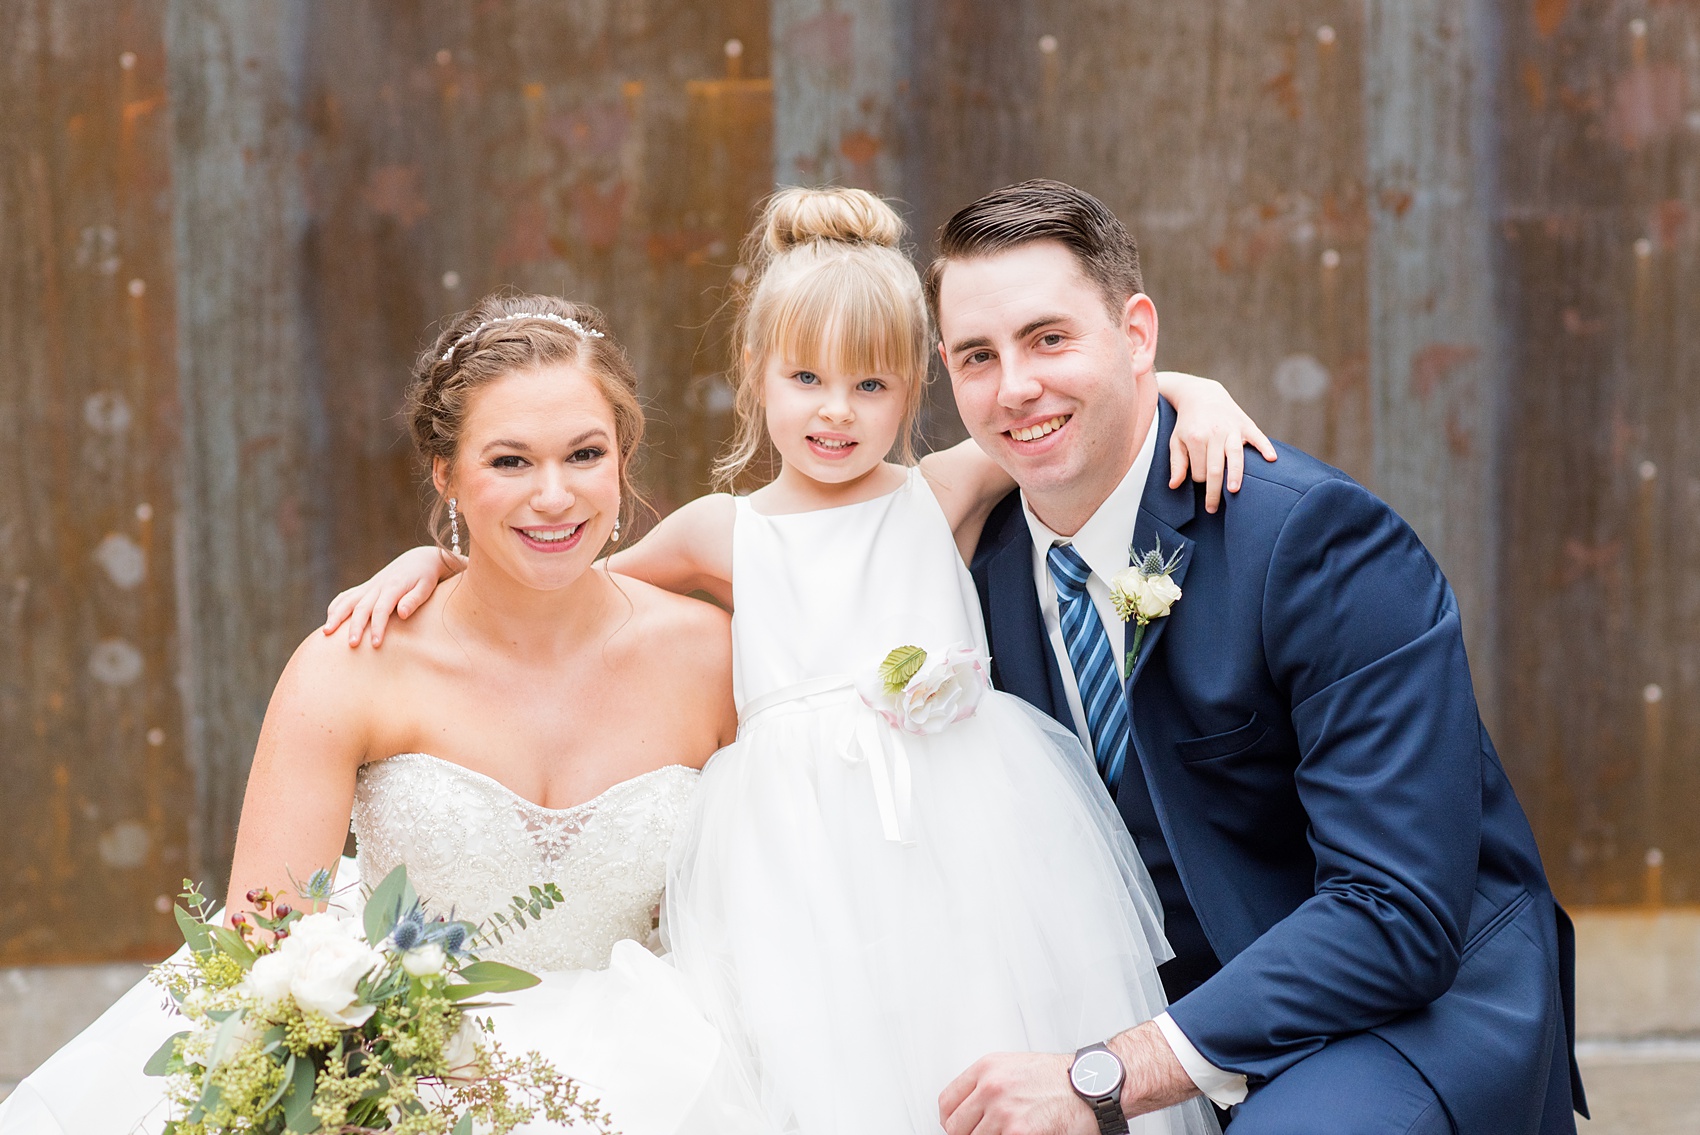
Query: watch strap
[[1107, 1108]]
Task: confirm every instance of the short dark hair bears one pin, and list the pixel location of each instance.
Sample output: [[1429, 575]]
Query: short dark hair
[[1043, 210]]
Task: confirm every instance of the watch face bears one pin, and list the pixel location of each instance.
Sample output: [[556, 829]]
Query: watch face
[[1096, 1073]]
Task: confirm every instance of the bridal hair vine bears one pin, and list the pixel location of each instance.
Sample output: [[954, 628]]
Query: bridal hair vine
[[568, 322]]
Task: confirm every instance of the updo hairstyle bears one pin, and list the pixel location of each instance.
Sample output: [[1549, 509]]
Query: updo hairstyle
[[497, 337], [827, 284]]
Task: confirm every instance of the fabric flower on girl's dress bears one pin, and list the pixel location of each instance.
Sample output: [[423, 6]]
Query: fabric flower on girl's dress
[[922, 695]]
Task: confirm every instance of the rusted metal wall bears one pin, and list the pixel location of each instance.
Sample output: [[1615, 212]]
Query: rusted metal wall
[[1599, 241], [94, 796], [1448, 245], [227, 228]]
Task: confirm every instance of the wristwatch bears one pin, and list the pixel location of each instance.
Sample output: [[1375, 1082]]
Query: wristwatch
[[1097, 1076]]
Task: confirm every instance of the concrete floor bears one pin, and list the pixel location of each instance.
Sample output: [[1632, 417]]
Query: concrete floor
[[1638, 1012], [1636, 1087], [1633, 1097], [1642, 1089]]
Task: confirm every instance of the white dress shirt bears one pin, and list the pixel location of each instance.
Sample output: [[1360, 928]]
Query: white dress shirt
[[1104, 543]]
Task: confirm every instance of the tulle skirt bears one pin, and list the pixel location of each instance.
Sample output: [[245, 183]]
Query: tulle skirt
[[630, 1034], [857, 974]]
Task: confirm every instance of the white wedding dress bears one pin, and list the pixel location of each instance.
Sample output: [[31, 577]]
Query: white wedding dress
[[609, 1013], [865, 912]]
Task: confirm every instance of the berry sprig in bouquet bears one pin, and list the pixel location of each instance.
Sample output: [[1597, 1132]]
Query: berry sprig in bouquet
[[321, 1021]]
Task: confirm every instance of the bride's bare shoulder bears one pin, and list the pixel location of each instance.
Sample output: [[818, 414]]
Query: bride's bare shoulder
[[659, 616]]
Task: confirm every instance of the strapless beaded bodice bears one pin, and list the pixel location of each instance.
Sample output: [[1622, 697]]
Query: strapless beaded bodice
[[470, 844]]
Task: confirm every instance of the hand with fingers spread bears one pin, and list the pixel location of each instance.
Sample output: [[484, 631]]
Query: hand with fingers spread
[[401, 588], [1211, 433]]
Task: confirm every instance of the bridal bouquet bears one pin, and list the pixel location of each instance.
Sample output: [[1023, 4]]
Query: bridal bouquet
[[304, 1022]]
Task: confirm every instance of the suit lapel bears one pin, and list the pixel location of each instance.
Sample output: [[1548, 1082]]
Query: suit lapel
[[1163, 512], [1020, 647]]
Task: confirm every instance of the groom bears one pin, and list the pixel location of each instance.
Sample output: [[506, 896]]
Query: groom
[[1364, 936]]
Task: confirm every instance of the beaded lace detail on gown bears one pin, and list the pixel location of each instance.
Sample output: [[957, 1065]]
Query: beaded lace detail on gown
[[470, 844]]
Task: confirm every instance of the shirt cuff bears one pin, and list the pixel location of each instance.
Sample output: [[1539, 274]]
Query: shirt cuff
[[1224, 1089]]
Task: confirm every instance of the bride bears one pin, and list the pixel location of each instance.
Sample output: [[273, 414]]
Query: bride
[[540, 721]]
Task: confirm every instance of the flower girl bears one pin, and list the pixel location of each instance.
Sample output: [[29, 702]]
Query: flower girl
[[894, 869]]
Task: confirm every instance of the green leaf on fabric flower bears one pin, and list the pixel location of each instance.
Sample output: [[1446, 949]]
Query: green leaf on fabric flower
[[490, 977], [159, 1064], [389, 900], [196, 933], [901, 665], [297, 1100]]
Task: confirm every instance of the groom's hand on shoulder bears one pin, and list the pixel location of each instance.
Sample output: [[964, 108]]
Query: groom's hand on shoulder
[[1026, 1093]]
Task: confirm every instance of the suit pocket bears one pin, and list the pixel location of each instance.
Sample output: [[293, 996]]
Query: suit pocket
[[1223, 744], [1494, 925]]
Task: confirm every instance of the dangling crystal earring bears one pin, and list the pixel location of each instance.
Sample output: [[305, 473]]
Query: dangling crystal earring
[[615, 538], [454, 527]]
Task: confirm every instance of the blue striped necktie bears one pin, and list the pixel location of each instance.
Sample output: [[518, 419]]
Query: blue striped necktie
[[1094, 665]]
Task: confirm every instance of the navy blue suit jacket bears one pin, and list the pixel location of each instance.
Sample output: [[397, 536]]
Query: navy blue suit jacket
[[1307, 731]]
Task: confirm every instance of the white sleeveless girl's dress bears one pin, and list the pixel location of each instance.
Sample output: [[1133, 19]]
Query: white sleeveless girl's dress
[[862, 911]]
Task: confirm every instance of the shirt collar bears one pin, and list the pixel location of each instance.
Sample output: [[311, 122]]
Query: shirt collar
[[1103, 541]]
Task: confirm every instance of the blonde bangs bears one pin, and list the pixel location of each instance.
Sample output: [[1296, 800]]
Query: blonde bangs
[[847, 316]]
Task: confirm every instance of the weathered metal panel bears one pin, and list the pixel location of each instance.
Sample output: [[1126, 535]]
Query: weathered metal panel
[[1230, 136], [1447, 246], [1600, 239], [352, 173], [228, 249], [610, 152], [1390, 227], [1436, 360], [840, 72], [92, 781], [251, 542]]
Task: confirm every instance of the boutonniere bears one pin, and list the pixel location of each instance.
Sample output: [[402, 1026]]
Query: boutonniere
[[1145, 590]]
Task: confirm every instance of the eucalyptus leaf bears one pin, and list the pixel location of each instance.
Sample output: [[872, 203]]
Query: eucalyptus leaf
[[283, 1085], [210, 1098], [225, 1040], [298, 1100], [195, 932], [490, 977], [232, 945], [159, 1064], [463, 1125], [901, 665], [389, 900]]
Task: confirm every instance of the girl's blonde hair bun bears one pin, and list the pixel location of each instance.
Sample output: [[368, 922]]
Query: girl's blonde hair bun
[[797, 216]]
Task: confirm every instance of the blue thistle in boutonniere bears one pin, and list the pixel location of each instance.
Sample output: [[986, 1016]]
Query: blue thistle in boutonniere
[[1145, 590]]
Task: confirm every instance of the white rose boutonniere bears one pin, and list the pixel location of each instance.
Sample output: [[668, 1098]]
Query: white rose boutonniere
[[1143, 591], [920, 695]]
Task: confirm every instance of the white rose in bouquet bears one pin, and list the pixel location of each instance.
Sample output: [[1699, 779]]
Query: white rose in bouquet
[[460, 1055], [319, 965], [940, 692]]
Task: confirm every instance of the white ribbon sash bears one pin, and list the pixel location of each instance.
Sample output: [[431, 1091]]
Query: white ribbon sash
[[867, 742]]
